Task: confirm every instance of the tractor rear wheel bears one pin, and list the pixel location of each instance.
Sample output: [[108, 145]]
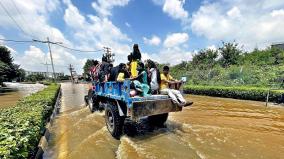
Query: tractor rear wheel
[[114, 121]]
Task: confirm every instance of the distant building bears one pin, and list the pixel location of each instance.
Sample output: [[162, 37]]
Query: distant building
[[45, 74], [278, 45]]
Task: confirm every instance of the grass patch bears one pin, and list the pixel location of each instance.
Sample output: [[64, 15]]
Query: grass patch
[[21, 125], [248, 93]]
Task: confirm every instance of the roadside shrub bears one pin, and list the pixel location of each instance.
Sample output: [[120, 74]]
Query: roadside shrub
[[248, 93], [21, 125]]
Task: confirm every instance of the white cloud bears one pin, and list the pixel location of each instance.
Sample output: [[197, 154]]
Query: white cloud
[[2, 43], [155, 40], [175, 39], [88, 33], [96, 30], [212, 47], [32, 59], [234, 12], [1, 37], [34, 19], [251, 23], [103, 7], [127, 24], [32, 11], [175, 9], [172, 55], [276, 13]]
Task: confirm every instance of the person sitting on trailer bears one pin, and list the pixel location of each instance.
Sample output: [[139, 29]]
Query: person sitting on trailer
[[175, 95], [94, 70], [104, 70], [122, 73], [113, 73], [154, 77], [140, 81]]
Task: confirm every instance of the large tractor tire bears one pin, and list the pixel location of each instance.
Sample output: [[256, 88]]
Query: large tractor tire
[[158, 120], [114, 121], [92, 101]]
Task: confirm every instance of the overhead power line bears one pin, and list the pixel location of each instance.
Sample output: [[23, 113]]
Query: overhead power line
[[61, 45], [55, 43], [78, 49], [22, 17], [11, 17], [17, 41]]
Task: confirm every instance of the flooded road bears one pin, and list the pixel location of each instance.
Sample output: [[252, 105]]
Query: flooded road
[[15, 91], [212, 128]]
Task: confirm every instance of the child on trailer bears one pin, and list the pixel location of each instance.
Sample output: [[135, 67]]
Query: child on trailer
[[141, 82]]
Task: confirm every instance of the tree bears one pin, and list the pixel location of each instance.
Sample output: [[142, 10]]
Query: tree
[[21, 74], [205, 59], [5, 55], [4, 71], [278, 55], [64, 77], [8, 70], [35, 77], [230, 53]]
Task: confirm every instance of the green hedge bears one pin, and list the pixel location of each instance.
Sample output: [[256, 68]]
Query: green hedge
[[21, 126], [249, 93]]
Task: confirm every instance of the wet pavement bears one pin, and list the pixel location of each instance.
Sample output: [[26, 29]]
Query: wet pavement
[[212, 128]]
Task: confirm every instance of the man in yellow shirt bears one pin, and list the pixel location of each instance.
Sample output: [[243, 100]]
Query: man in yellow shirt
[[175, 95]]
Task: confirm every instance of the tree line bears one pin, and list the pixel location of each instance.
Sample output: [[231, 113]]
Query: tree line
[[230, 65], [9, 70]]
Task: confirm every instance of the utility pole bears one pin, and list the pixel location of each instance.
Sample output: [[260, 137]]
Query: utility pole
[[50, 53], [71, 72], [46, 64], [48, 43], [109, 55]]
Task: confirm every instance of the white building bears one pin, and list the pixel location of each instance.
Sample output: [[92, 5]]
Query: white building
[[45, 74]]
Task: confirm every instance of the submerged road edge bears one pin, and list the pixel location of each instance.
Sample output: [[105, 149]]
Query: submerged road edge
[[43, 142]]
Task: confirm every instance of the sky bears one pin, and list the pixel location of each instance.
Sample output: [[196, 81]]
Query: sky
[[167, 31]]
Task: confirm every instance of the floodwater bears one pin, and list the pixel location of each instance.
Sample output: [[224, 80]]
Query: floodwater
[[213, 128], [15, 91]]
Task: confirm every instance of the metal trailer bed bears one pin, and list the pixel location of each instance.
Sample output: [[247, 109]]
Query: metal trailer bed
[[115, 98]]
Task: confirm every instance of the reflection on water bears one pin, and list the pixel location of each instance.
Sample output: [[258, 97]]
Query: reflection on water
[[14, 91], [212, 128]]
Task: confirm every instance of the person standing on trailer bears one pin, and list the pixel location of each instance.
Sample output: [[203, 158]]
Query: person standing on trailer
[[135, 58]]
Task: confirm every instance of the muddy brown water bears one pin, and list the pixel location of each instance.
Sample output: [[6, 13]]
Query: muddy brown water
[[10, 95], [213, 128]]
